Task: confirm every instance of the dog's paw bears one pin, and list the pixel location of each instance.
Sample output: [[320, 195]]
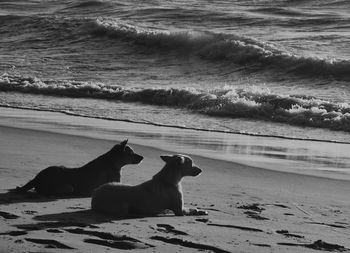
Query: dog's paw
[[200, 212], [193, 211]]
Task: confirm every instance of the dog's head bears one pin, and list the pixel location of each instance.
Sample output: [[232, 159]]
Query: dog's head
[[182, 164], [126, 153]]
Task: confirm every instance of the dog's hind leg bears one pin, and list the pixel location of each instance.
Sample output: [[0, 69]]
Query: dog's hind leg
[[65, 190], [115, 209], [20, 189], [119, 210]]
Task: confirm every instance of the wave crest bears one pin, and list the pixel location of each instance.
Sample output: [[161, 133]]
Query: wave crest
[[229, 47], [234, 102]]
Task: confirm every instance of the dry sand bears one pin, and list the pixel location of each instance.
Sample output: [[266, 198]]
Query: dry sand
[[249, 209]]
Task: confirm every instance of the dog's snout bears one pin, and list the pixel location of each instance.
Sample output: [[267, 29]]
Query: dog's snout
[[196, 170], [137, 158]]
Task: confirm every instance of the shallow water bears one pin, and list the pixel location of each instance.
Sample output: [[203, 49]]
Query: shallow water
[[316, 158]]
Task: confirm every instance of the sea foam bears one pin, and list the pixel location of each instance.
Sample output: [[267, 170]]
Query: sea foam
[[229, 101]]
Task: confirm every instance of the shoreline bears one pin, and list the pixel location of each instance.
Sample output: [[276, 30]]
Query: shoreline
[[249, 209], [177, 126], [321, 159]]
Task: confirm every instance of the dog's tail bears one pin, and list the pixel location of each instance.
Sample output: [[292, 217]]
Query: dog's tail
[[22, 189]]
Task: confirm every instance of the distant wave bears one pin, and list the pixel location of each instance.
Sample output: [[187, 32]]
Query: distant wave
[[219, 46], [41, 28], [86, 4], [229, 102], [83, 7], [280, 11], [338, 3], [206, 45], [302, 18]]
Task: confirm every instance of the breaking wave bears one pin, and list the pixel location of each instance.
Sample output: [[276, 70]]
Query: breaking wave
[[231, 102], [230, 47], [206, 45]]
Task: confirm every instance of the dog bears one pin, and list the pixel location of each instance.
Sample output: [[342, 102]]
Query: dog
[[150, 198], [62, 181]]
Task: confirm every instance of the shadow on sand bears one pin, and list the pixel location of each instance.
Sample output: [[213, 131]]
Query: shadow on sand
[[12, 197]]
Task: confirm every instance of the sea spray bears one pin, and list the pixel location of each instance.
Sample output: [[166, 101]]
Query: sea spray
[[228, 101]]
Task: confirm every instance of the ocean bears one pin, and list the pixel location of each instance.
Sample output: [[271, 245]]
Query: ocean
[[256, 67]]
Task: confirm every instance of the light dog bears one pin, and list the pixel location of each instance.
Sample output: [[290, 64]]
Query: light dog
[[62, 181], [162, 192]]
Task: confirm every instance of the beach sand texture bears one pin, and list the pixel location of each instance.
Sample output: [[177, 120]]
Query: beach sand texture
[[249, 209]]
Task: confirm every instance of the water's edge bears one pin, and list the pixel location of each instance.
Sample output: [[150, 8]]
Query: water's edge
[[315, 158]]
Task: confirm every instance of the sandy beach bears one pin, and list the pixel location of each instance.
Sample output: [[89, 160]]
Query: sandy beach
[[250, 208]]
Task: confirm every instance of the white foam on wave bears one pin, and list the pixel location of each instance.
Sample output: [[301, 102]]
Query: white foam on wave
[[229, 101]]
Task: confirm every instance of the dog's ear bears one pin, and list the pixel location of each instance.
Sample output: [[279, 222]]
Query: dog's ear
[[175, 159], [180, 159], [123, 144], [166, 158]]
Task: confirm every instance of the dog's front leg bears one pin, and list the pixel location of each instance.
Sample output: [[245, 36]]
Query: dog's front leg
[[180, 210], [178, 207]]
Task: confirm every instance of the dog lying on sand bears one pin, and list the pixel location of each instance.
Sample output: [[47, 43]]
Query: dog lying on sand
[[162, 192], [62, 181]]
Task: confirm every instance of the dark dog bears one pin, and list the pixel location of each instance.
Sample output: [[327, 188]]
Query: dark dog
[[162, 192], [62, 181]]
